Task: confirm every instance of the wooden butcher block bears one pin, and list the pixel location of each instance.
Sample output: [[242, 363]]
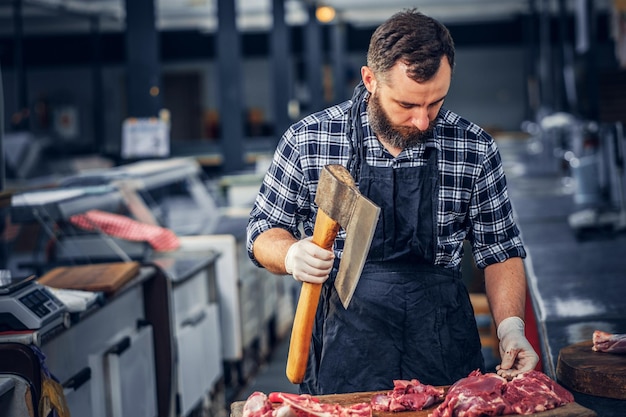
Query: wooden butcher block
[[568, 410], [595, 373], [105, 277]]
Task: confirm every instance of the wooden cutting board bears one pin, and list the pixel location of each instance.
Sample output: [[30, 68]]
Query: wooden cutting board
[[595, 373], [568, 410], [105, 277]]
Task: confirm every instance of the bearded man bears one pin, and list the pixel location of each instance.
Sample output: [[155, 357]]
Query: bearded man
[[439, 180]]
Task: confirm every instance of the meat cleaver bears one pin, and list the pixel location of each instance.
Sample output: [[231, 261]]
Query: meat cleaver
[[340, 205]]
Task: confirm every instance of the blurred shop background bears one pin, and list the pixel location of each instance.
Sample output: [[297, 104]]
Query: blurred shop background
[[230, 76], [134, 136]]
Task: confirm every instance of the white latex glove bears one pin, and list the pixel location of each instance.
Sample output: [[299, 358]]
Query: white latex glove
[[517, 354], [306, 261]]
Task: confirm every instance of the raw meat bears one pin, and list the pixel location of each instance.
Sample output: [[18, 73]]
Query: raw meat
[[609, 342], [407, 396], [534, 392], [259, 405], [277, 397], [475, 395], [306, 406], [491, 395]]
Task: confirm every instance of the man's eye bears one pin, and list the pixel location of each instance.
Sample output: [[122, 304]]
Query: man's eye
[[435, 104]]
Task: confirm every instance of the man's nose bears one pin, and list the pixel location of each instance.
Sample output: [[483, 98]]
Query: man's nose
[[420, 119]]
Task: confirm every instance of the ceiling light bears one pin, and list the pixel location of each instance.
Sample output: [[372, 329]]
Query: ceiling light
[[325, 14]]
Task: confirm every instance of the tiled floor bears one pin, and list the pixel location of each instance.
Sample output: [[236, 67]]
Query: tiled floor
[[271, 375]]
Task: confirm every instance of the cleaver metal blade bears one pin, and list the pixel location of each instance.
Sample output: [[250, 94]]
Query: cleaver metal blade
[[340, 198], [359, 234]]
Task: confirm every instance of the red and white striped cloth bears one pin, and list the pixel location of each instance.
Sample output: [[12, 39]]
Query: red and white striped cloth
[[160, 238]]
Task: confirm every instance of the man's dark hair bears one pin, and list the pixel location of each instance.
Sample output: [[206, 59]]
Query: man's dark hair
[[414, 39]]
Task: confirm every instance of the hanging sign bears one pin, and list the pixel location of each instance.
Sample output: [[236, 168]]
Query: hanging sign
[[145, 138]]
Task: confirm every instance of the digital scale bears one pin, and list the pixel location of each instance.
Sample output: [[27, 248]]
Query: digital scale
[[28, 305]]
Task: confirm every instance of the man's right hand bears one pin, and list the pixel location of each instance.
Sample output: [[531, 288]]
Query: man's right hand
[[307, 262]]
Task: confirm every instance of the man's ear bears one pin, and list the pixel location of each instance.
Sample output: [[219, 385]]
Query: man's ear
[[369, 80]]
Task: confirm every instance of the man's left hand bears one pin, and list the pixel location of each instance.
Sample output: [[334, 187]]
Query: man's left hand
[[518, 356]]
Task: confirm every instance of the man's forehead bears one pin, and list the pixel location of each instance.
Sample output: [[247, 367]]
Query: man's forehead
[[404, 89]]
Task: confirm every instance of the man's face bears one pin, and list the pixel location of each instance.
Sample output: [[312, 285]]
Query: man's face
[[398, 136], [402, 112]]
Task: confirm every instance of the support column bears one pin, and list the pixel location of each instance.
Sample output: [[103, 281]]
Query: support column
[[230, 92], [142, 59], [2, 153], [21, 89], [569, 72], [280, 50], [313, 60], [339, 51], [97, 90], [591, 61], [560, 99], [545, 59], [533, 88]]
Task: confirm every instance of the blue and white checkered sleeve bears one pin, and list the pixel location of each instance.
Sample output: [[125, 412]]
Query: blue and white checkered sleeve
[[282, 196], [495, 234]]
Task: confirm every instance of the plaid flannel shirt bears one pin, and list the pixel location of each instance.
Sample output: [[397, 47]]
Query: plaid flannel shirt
[[473, 200]]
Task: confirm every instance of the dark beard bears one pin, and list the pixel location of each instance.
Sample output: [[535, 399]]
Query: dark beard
[[400, 137]]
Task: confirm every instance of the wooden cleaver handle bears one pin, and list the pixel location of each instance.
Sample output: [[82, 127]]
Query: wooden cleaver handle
[[324, 234]]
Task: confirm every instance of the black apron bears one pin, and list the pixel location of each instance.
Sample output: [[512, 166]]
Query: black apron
[[408, 318]]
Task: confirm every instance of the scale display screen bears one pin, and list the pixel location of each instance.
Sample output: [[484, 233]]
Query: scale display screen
[[39, 302]]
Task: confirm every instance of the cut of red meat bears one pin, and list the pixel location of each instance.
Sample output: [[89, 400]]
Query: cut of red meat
[[407, 396], [609, 342], [475, 395], [533, 392], [259, 405], [306, 406], [491, 395], [277, 397]]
